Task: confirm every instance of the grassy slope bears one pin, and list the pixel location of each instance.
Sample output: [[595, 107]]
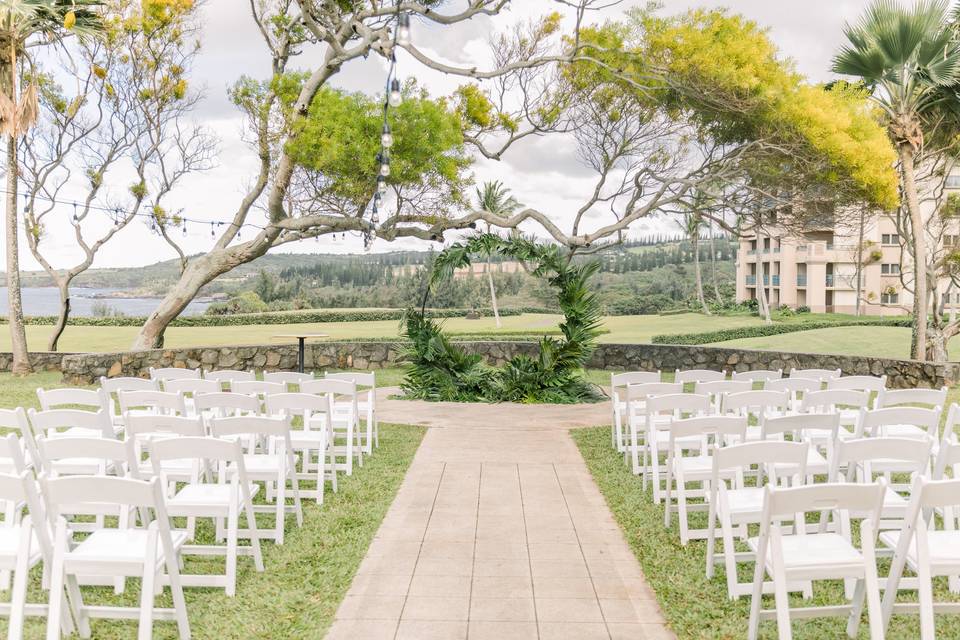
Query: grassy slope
[[622, 329], [695, 607], [305, 579]]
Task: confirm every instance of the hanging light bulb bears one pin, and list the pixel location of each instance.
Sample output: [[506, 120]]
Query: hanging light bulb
[[395, 97], [375, 217], [386, 139], [184, 228], [384, 165], [381, 186], [212, 232], [75, 218], [403, 30]]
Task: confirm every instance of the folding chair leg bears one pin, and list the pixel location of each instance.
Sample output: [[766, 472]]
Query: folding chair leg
[[280, 519], [783, 604], [147, 595], [18, 598], [254, 535], [179, 603], [231, 570], [925, 593], [753, 627]]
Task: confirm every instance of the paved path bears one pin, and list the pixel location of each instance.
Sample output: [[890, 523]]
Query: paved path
[[498, 532]]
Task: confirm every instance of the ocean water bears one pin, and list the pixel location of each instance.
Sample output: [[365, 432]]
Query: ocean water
[[45, 301]]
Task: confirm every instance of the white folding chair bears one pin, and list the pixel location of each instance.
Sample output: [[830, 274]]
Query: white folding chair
[[757, 405], [80, 455], [226, 377], [817, 556], [870, 384], [618, 390], [274, 464], [823, 375], [151, 553], [258, 389], [143, 430], [13, 462], [717, 388], [927, 398], [191, 386], [85, 399], [759, 375], [684, 376], [163, 374], [636, 396], [15, 420], [222, 500], [845, 403], [819, 429], [165, 403], [344, 399], [367, 387], [24, 544], [735, 505], [661, 412], [110, 387], [292, 379], [900, 422], [316, 435], [70, 422], [927, 551], [796, 387], [694, 468], [226, 404]]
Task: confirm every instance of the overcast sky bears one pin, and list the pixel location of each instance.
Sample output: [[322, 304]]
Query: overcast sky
[[543, 172]]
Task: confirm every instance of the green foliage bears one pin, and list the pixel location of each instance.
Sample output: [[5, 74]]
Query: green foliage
[[775, 329], [441, 371]]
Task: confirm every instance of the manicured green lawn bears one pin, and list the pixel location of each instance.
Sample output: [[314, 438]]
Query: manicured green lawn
[[695, 607], [305, 579]]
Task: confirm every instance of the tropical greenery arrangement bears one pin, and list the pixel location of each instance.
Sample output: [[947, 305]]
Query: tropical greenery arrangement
[[440, 370]]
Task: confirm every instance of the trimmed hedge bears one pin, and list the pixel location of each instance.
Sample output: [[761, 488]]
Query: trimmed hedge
[[774, 329], [285, 317]]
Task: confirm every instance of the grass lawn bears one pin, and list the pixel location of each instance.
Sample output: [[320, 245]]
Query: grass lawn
[[695, 607], [629, 329], [305, 579]]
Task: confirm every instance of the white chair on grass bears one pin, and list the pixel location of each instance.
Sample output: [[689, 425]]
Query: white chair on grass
[[191, 386], [734, 505], [820, 430], [163, 374], [150, 553], [315, 436], [684, 376], [756, 405], [758, 375], [618, 397], [293, 379], [796, 387], [85, 399], [718, 388], [110, 387], [165, 403], [870, 384], [14, 462], [366, 405], [900, 422], [698, 468], [143, 430], [927, 551], [846, 403], [226, 377], [635, 396], [274, 463], [226, 404], [661, 413], [823, 375], [345, 401], [69, 456], [817, 556], [15, 420], [928, 398], [70, 423], [222, 500], [258, 389]]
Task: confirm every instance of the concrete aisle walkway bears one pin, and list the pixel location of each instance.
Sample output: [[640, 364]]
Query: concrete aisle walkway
[[498, 532]]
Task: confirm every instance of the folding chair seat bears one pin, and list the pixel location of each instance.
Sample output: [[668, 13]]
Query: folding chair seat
[[618, 401], [366, 405], [694, 468], [274, 464], [815, 428], [226, 377], [150, 553], [823, 375], [758, 375], [803, 556], [315, 436], [734, 505], [661, 412], [684, 376], [757, 405], [221, 499], [846, 403], [345, 400], [926, 551], [163, 374], [166, 403]]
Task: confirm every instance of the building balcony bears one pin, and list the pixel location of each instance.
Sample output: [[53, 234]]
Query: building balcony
[[751, 281], [801, 281]]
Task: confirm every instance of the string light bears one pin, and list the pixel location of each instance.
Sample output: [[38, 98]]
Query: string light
[[395, 96], [403, 30], [75, 218], [386, 138]]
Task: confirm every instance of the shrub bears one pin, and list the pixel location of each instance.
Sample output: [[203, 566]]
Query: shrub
[[773, 329], [803, 309]]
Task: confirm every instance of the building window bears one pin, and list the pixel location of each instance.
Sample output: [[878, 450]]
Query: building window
[[950, 240], [953, 182], [889, 239], [889, 298], [892, 269]]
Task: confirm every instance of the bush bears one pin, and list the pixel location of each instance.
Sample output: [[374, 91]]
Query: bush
[[773, 329], [803, 309]]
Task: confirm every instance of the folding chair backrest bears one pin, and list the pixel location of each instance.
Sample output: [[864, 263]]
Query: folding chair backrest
[[199, 448], [11, 450], [192, 386], [759, 375], [174, 373], [936, 494], [762, 401], [713, 427], [829, 400], [257, 387], [947, 458], [102, 450], [329, 385], [640, 392], [698, 375], [276, 426], [86, 399], [163, 426], [115, 385], [16, 420], [900, 397], [105, 495], [21, 487], [225, 403], [229, 375], [362, 379], [161, 402], [815, 374], [859, 383], [857, 456], [872, 421], [801, 425], [298, 404], [836, 496], [793, 385], [789, 457], [716, 387], [633, 377], [679, 404], [50, 423], [287, 377]]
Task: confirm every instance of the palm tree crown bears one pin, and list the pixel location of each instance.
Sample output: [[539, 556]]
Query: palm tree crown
[[495, 198]]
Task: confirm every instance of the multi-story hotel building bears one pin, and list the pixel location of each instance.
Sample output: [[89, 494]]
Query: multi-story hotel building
[[818, 268]]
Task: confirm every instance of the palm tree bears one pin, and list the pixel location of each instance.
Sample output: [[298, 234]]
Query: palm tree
[[24, 24], [495, 198], [910, 60], [692, 225]]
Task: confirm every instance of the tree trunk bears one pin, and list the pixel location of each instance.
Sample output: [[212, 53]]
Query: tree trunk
[[762, 305], [64, 289], [695, 241], [860, 266], [18, 337], [493, 293], [713, 266], [918, 346]]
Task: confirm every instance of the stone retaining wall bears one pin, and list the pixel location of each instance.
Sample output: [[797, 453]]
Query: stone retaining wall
[[87, 368], [41, 360]]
